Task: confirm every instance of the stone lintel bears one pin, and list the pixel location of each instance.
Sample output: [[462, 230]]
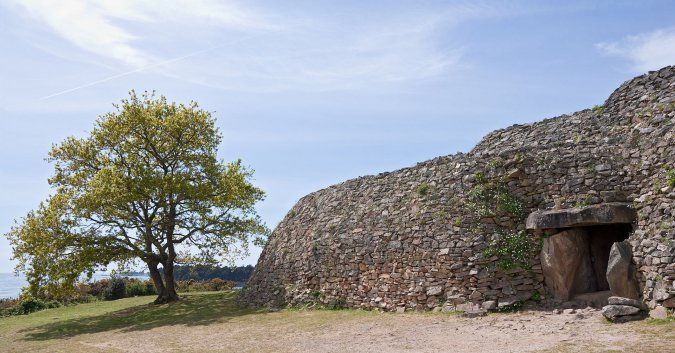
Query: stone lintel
[[604, 213]]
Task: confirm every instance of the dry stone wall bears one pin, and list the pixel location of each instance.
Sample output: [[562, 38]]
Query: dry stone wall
[[415, 239]]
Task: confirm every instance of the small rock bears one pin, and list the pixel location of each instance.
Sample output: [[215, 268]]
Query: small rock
[[569, 311], [670, 303], [435, 290], [400, 310], [489, 305], [658, 313], [661, 291], [507, 301], [626, 301], [627, 318], [557, 311], [611, 312], [467, 307], [474, 313]]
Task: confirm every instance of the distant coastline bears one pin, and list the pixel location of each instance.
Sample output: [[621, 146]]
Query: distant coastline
[[10, 285]]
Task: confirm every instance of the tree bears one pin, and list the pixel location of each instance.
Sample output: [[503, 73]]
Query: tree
[[143, 185]]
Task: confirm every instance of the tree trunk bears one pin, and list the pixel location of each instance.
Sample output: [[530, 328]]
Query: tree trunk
[[170, 283], [164, 295]]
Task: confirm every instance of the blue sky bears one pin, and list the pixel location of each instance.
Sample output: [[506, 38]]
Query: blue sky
[[311, 93]]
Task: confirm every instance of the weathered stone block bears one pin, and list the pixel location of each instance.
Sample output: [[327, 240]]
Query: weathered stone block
[[611, 312], [566, 264], [621, 272]]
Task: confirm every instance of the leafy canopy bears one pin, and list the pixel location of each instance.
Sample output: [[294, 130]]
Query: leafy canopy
[[145, 184]]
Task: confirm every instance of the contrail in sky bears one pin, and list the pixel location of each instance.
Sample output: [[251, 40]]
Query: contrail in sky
[[169, 61]]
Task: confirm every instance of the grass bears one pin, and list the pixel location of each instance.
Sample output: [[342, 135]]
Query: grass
[[60, 329], [211, 321], [128, 314]]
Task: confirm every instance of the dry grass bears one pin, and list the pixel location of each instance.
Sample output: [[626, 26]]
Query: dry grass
[[211, 322]]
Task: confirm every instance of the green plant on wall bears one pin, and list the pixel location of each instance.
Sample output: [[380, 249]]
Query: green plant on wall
[[670, 177], [492, 198], [513, 250], [422, 189]]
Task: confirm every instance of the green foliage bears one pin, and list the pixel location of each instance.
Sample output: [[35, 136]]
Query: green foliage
[[136, 288], [210, 285], [143, 183], [31, 305], [536, 297], [598, 108], [670, 177], [492, 198], [117, 289], [583, 203], [513, 250], [422, 189]]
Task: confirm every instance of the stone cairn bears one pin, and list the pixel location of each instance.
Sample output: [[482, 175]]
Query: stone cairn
[[622, 309], [408, 240]]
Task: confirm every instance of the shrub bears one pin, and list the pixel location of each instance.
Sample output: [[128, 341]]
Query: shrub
[[99, 288], [215, 284], [670, 177], [422, 189], [53, 304], [9, 306], [150, 288], [116, 289], [136, 288], [513, 250], [31, 305]]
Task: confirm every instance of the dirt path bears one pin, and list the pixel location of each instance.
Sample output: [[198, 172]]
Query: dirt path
[[211, 322], [349, 331]]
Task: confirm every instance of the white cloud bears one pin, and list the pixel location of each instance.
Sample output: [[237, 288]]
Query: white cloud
[[646, 51], [226, 46], [99, 26]]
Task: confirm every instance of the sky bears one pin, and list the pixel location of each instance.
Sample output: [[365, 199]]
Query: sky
[[311, 93]]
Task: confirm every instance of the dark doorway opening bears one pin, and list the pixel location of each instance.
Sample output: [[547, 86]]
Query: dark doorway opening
[[575, 261]]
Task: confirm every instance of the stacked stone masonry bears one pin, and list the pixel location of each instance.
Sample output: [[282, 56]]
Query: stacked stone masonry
[[407, 239]]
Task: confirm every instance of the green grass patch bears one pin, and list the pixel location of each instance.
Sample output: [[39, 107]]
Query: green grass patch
[[127, 314]]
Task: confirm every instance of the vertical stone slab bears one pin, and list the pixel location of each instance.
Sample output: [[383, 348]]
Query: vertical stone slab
[[566, 264], [621, 272]]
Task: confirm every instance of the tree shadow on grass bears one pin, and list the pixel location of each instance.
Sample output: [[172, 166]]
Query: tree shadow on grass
[[193, 310]]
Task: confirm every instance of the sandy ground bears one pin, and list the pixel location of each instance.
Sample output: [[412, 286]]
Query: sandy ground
[[351, 331]]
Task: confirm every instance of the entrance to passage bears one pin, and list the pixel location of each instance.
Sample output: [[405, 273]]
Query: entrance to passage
[[575, 256]]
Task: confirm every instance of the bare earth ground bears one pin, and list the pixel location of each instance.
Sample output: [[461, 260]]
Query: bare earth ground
[[210, 322]]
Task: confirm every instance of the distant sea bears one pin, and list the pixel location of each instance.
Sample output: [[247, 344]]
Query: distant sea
[[10, 285]]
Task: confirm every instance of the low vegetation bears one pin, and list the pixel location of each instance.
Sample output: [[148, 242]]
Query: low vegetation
[[513, 250], [212, 321], [106, 289]]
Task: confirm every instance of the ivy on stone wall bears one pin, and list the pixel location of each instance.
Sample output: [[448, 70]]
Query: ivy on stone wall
[[491, 198], [513, 250]]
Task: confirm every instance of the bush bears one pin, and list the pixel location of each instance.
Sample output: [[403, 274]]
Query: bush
[[135, 288], [31, 305], [215, 284], [99, 288], [9, 306], [513, 250], [117, 289]]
